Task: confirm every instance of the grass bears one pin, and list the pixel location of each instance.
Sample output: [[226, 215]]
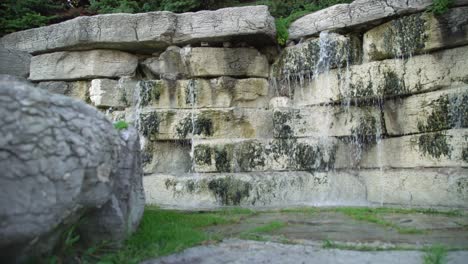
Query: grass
[[257, 232], [120, 125], [435, 255]]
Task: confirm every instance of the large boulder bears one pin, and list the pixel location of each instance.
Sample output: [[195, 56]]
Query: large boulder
[[148, 31], [14, 62], [360, 13], [60, 159]]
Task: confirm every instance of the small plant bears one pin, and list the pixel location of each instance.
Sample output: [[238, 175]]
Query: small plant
[[439, 7], [121, 125], [435, 255]]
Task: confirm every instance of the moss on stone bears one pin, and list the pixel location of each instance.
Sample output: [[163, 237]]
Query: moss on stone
[[447, 112], [157, 90], [435, 144], [230, 191], [393, 85], [251, 155], [190, 185], [311, 158], [146, 88], [465, 154], [200, 126], [149, 123], [170, 183], [202, 155], [359, 90], [222, 159], [366, 130], [281, 122]]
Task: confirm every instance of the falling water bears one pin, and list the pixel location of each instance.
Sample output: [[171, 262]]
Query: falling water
[[191, 88]]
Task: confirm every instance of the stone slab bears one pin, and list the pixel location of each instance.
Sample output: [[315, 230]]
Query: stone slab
[[440, 149], [388, 78], [259, 190], [147, 32], [358, 14], [182, 124], [78, 89], [416, 34], [14, 62], [106, 93], [427, 112], [167, 157], [79, 65], [447, 187]]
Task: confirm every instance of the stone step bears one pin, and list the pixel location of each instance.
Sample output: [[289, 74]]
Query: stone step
[[208, 62], [388, 78], [207, 93], [416, 34], [82, 65], [323, 121], [147, 32], [359, 14], [329, 51], [184, 124], [259, 189], [427, 112], [440, 149], [427, 187], [241, 155]]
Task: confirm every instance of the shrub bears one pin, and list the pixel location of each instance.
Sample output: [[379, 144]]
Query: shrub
[[120, 125], [439, 7]]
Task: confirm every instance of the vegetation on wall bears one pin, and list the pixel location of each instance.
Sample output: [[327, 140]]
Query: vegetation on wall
[[439, 7]]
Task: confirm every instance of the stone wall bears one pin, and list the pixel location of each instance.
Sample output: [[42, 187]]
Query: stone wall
[[367, 109]]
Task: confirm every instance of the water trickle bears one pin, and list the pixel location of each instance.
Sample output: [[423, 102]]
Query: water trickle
[[192, 99]]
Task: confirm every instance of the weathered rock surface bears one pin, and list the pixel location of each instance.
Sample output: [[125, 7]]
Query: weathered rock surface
[[147, 32], [260, 189], [169, 65], [256, 155], [316, 55], [332, 121], [417, 34], [105, 93], [58, 156], [428, 112], [121, 215], [14, 62], [167, 157], [82, 65], [439, 149], [78, 89], [358, 14], [207, 123], [417, 187], [386, 78], [207, 93]]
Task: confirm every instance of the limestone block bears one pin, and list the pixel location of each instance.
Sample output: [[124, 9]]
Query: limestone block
[[82, 65], [316, 55], [323, 121], [169, 65], [417, 187], [428, 112], [237, 62], [78, 89], [207, 93], [105, 93], [206, 123], [439, 149], [386, 78], [241, 155], [147, 32], [267, 189], [416, 34], [14, 62], [358, 14], [167, 157]]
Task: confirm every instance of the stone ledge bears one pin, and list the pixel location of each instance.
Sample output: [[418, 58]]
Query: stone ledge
[[359, 14], [148, 32], [416, 34]]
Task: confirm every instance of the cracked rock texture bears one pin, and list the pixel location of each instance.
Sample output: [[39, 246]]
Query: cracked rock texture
[[14, 62], [360, 13], [147, 31], [59, 158]]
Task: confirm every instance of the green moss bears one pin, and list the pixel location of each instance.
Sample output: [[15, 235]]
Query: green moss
[[190, 185], [230, 191], [222, 159], [251, 155], [447, 112], [146, 88], [366, 130], [434, 144], [149, 123], [462, 187], [202, 155], [169, 183], [201, 126], [157, 90], [311, 158], [393, 85], [359, 90], [435, 254], [281, 121], [465, 154]]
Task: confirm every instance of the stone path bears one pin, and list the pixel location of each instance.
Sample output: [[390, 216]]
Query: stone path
[[332, 236]]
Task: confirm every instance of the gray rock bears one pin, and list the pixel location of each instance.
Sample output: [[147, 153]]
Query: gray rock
[[360, 13], [58, 159], [120, 216], [147, 32], [169, 65], [14, 62], [82, 65]]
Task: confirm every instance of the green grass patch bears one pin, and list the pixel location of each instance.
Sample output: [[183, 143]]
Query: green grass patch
[[258, 232], [435, 254], [300, 210], [120, 125]]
